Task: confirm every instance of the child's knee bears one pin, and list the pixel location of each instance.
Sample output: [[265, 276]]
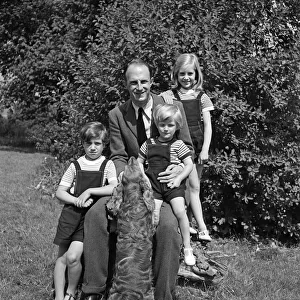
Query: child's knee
[[73, 258], [180, 214], [194, 188]]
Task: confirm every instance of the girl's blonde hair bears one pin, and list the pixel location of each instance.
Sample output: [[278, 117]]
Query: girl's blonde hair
[[166, 112], [184, 60]]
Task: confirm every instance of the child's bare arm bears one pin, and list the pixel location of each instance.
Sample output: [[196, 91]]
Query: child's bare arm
[[96, 191], [207, 137], [141, 163], [62, 194]]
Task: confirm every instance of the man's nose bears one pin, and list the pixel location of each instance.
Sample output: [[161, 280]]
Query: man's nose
[[139, 85]]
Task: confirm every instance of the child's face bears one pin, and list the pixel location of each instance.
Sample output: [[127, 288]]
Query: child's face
[[166, 130], [93, 148], [187, 77]]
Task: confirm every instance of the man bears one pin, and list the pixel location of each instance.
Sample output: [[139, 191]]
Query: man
[[124, 144]]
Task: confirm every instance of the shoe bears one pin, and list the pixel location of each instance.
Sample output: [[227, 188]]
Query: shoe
[[91, 296], [189, 257], [70, 296], [193, 230], [204, 236]]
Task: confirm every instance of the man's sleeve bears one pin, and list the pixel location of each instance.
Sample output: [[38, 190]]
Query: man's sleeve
[[118, 154]]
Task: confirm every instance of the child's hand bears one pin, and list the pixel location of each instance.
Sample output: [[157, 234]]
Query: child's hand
[[203, 157], [147, 180], [83, 198], [88, 202], [168, 97]]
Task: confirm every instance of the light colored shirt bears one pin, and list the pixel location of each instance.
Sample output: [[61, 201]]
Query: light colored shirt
[[110, 174], [178, 150], [147, 114]]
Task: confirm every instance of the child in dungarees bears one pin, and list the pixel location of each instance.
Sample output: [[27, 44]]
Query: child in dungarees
[[158, 153], [187, 81], [86, 180]]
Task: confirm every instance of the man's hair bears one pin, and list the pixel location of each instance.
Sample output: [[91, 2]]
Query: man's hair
[[166, 112], [139, 62], [184, 60], [94, 130]]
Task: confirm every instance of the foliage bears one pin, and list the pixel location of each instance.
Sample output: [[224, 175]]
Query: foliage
[[68, 69]]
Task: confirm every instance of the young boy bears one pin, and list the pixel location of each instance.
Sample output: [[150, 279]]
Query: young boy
[[87, 179], [159, 153]]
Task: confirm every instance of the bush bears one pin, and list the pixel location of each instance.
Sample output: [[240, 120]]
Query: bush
[[70, 72]]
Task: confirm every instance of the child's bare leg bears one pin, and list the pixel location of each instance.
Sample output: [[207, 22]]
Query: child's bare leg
[[195, 203], [178, 206], [156, 211], [59, 272], [73, 257]]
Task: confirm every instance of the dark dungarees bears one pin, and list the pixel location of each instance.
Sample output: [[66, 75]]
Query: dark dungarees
[[193, 116], [158, 159], [70, 224]]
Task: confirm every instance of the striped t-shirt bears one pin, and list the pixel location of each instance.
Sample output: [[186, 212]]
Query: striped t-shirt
[[206, 103], [178, 150], [69, 177]]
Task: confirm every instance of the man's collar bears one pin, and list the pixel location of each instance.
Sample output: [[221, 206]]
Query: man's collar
[[147, 108]]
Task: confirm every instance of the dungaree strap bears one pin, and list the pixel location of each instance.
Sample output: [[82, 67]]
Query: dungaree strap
[[77, 166], [175, 92], [101, 170]]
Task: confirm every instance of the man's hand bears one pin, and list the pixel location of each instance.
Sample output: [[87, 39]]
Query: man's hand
[[175, 182], [170, 173]]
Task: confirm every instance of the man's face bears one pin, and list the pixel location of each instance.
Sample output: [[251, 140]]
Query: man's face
[[138, 83]]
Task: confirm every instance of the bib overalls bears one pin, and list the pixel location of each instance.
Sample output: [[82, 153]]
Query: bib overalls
[[158, 159], [70, 223], [193, 113]]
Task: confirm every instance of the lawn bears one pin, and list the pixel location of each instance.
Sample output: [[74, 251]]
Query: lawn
[[28, 218]]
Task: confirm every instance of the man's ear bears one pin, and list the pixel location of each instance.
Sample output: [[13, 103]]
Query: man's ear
[[151, 81]]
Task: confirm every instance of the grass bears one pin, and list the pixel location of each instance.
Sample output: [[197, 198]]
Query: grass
[[28, 219]]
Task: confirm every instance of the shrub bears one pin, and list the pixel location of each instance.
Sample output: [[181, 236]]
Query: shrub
[[70, 72]]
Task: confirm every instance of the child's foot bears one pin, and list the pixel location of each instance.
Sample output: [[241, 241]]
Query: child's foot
[[69, 296], [192, 230], [204, 236], [189, 257]]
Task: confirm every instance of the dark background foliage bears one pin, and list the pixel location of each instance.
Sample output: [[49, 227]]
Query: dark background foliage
[[62, 65]]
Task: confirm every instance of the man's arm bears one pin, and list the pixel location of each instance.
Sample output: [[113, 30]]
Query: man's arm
[[118, 153]]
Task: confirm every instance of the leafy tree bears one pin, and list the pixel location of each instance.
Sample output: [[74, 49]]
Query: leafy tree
[[70, 71]]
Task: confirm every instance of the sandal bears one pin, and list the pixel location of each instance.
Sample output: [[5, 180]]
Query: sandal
[[71, 297], [204, 236], [189, 257]]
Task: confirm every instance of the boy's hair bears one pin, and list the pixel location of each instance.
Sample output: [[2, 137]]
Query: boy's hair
[[94, 130], [185, 60], [165, 112]]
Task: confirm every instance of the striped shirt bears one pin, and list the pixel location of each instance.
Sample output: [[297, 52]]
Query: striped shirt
[[69, 177], [178, 150], [206, 103]]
